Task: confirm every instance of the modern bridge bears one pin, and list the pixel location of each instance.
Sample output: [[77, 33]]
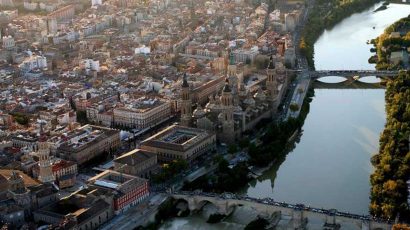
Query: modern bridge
[[226, 203]]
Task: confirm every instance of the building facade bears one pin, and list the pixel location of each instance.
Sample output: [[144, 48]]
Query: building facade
[[142, 113], [179, 142], [89, 142], [137, 162], [129, 190]]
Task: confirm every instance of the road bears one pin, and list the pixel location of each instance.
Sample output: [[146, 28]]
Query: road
[[136, 215], [299, 94]]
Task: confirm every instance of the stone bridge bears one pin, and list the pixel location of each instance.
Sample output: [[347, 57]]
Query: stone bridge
[[348, 85], [226, 203], [349, 74]]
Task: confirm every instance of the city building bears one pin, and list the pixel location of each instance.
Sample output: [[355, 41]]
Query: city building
[[64, 172], [88, 142], [137, 162], [45, 174], [142, 113], [86, 211], [240, 105], [128, 190], [179, 142]]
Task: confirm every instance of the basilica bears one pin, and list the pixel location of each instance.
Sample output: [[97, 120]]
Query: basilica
[[242, 102]]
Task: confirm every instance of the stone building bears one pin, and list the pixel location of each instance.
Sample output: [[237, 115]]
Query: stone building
[[128, 190], [89, 142], [180, 142], [240, 105], [137, 162], [45, 167]]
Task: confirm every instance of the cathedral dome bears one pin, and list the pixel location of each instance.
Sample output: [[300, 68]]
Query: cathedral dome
[[238, 109], [220, 117], [199, 112], [249, 101], [226, 88], [260, 95]]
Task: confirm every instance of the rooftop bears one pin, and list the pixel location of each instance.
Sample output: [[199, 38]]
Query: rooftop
[[86, 136], [117, 181], [135, 157], [177, 137]]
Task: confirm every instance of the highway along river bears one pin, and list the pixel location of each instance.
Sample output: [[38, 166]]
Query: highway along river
[[330, 166]]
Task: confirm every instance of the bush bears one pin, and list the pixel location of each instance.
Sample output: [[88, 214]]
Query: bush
[[389, 190]]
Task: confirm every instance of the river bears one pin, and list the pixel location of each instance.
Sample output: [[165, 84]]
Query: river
[[330, 166]]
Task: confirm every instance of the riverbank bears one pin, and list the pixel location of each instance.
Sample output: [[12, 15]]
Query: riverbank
[[392, 46], [277, 142], [389, 190], [324, 15]]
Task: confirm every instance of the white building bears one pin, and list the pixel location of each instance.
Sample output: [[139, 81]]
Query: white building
[[30, 5], [33, 62], [90, 64], [142, 50], [8, 42], [96, 2], [290, 22], [6, 3], [241, 55]]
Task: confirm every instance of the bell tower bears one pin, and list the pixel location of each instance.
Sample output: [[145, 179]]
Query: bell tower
[[186, 103], [226, 116], [271, 83], [44, 162]]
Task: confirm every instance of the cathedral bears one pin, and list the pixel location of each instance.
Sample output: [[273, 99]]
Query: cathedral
[[239, 106], [44, 162]]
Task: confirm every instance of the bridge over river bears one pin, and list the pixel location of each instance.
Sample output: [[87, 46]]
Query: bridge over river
[[300, 214], [349, 74]]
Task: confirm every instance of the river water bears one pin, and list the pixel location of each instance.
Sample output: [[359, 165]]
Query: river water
[[330, 166]]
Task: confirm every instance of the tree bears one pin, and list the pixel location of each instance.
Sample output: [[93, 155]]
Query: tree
[[400, 227], [294, 107], [21, 119], [244, 143], [232, 149]]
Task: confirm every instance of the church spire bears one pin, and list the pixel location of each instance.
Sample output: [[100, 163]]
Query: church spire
[[185, 81], [231, 58], [271, 63]]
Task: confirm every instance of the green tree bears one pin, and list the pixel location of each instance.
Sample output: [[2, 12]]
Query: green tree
[[294, 107]]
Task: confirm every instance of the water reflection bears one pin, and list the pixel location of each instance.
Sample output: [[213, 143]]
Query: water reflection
[[330, 167], [332, 79], [370, 79]]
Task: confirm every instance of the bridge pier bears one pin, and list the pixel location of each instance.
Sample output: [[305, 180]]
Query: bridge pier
[[333, 219], [298, 220], [365, 225], [330, 219], [330, 223]]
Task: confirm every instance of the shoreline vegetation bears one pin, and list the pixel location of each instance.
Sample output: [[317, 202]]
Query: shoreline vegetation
[[227, 179], [273, 149], [324, 15], [392, 163], [390, 46], [389, 190]]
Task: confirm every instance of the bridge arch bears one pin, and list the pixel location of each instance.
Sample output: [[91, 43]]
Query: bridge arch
[[201, 204], [331, 79], [299, 214]]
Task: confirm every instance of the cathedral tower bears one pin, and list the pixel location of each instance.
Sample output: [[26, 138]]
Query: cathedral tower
[[44, 162], [186, 103], [226, 116], [271, 83]]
